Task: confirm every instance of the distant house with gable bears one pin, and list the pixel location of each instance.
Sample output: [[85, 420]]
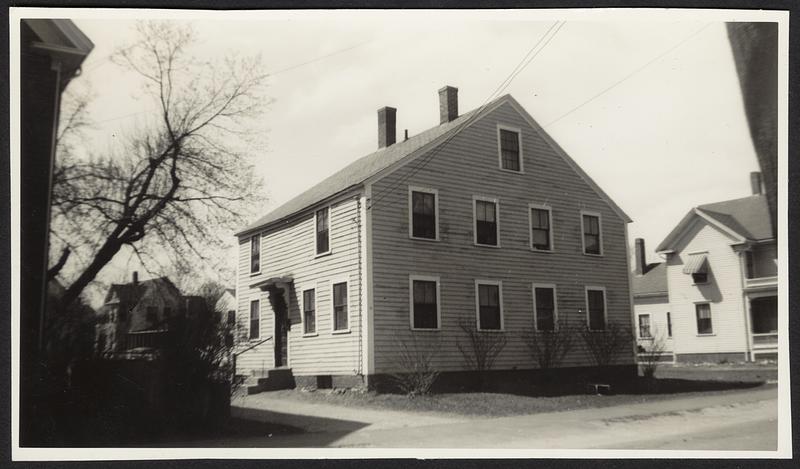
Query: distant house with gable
[[721, 278], [136, 315]]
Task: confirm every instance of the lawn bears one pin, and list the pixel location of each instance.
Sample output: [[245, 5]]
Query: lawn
[[498, 404]]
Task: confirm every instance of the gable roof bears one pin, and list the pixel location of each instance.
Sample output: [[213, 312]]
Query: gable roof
[[744, 219], [653, 282], [131, 293], [359, 171]]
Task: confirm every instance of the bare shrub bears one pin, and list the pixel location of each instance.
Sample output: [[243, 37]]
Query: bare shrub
[[482, 347], [549, 348], [605, 345], [649, 357], [417, 374]]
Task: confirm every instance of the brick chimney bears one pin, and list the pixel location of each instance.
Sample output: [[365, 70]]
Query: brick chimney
[[448, 104], [135, 277], [639, 257], [387, 118], [755, 183]]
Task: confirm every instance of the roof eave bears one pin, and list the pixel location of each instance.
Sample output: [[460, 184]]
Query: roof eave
[[297, 213]]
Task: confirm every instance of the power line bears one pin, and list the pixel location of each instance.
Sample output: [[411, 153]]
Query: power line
[[626, 77], [422, 162]]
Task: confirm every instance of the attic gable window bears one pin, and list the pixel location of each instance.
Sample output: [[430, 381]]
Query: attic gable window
[[486, 222], [255, 254], [510, 148], [592, 235], [322, 218], [424, 209]]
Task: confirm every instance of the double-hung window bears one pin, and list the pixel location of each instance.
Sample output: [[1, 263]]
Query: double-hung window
[[255, 254], [596, 308], [544, 307], [703, 312], [424, 302], [592, 237], [541, 228], [309, 312], [340, 319], [490, 305], [255, 320], [424, 209], [644, 326], [322, 218], [486, 222], [510, 149]]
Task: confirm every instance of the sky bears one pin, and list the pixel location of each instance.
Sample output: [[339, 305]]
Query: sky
[[649, 108]]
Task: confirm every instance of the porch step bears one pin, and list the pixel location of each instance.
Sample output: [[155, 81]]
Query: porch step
[[276, 378]]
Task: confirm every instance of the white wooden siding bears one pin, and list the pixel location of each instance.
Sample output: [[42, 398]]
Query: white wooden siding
[[657, 307], [723, 292], [466, 166], [290, 251]]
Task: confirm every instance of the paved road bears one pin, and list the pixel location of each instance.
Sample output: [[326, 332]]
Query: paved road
[[745, 420]]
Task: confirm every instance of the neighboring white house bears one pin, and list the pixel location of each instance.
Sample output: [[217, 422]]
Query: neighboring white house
[[482, 221], [653, 319], [226, 306], [721, 279]]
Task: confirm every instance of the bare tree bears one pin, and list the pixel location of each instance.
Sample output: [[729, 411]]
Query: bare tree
[[649, 355], [549, 348], [178, 182], [482, 347], [416, 373], [604, 346]]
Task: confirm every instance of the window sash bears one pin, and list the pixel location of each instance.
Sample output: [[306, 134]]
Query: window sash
[[255, 253], [704, 325], [309, 312], [545, 308], [596, 306], [540, 229], [423, 218], [509, 149], [591, 234], [644, 326], [489, 307], [255, 320], [425, 304], [486, 222], [322, 230], [340, 320]]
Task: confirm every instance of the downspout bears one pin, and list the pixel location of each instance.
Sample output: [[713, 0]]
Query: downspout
[[630, 300], [745, 308], [360, 367]]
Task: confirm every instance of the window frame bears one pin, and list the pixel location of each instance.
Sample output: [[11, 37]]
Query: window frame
[[499, 285], [599, 232], [697, 319], [333, 283], [518, 131], [425, 190], [549, 210], [313, 333], [551, 286], [605, 307], [424, 278], [253, 243], [649, 335], [669, 325], [496, 202], [250, 336], [317, 253]]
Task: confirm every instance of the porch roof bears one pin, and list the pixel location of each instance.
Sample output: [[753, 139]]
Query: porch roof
[[272, 281]]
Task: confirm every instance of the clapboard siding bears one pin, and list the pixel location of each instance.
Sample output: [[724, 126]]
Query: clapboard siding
[[468, 166], [290, 251], [723, 292]]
